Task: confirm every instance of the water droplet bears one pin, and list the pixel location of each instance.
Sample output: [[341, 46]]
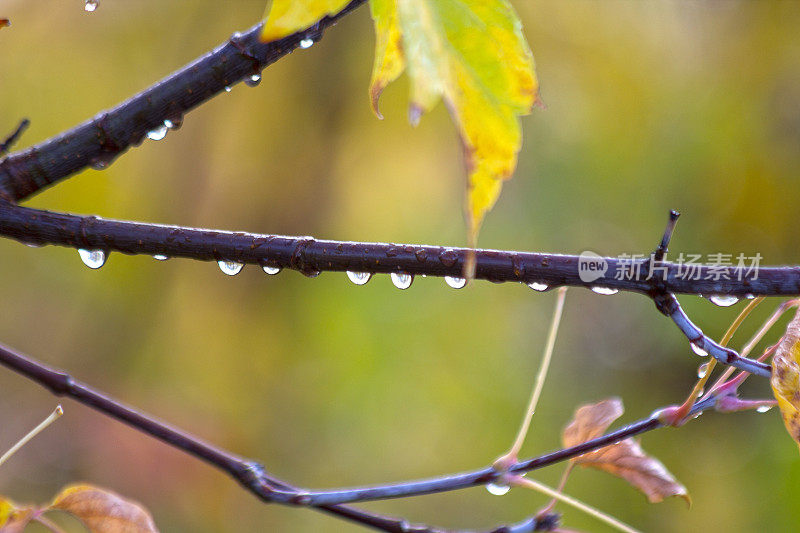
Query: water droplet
[[359, 278], [158, 133], [448, 258], [702, 370], [306, 43], [310, 272], [253, 80], [456, 283], [92, 258], [230, 268], [723, 300], [763, 408], [174, 123], [271, 270], [608, 291], [228, 88], [401, 280], [90, 5], [700, 393], [698, 350], [160, 257], [535, 285], [31, 244], [498, 489]]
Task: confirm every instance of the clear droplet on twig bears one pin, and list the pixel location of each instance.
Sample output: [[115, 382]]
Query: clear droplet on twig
[[230, 268], [454, 282], [253, 80], [306, 43], [90, 5], [608, 291], [227, 88], [498, 489], [401, 280], [723, 300], [160, 257], [538, 286], [92, 258], [696, 348], [763, 408], [158, 133], [359, 278], [271, 270], [702, 370]]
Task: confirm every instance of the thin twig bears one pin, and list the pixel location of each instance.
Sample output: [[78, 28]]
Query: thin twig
[[249, 473], [5, 146], [57, 412], [98, 141]]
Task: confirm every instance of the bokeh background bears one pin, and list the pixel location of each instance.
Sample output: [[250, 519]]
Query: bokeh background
[[652, 105]]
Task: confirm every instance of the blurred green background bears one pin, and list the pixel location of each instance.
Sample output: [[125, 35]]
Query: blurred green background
[[652, 105]]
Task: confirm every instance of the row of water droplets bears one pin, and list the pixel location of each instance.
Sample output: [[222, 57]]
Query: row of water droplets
[[96, 258]]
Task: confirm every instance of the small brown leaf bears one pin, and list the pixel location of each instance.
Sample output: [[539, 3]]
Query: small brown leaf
[[624, 459], [4, 23], [103, 511], [785, 378]]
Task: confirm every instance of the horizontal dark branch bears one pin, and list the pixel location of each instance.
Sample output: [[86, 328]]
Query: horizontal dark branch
[[98, 141], [311, 256]]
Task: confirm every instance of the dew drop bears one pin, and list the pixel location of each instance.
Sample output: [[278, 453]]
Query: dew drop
[[160, 257], [359, 278], [253, 80], [456, 283], [227, 88], [306, 43], [497, 489], [158, 133], [92, 258], [401, 280], [763, 408], [608, 291], [698, 350], [90, 5], [271, 270], [702, 370], [174, 123], [723, 300], [535, 285], [230, 268]]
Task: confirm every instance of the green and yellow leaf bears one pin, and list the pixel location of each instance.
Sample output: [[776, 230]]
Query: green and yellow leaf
[[102, 511], [471, 53], [785, 378], [625, 459], [284, 17]]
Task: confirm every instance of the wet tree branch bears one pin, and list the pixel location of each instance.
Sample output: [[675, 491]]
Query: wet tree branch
[[98, 141], [252, 475], [248, 473]]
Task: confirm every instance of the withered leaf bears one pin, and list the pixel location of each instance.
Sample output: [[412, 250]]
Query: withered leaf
[[624, 459], [785, 378], [102, 511], [13, 519]]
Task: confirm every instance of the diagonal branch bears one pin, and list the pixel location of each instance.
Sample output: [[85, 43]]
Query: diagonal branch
[[98, 141], [248, 473]]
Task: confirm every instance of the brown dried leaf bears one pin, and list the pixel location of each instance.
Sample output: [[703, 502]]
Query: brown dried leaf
[[624, 459], [4, 23], [103, 511], [785, 378]]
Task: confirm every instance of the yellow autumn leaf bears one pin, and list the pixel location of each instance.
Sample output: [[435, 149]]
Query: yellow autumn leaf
[[284, 17], [785, 378], [471, 53]]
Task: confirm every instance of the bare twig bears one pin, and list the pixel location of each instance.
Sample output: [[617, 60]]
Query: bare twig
[[98, 141], [6, 145], [250, 474]]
